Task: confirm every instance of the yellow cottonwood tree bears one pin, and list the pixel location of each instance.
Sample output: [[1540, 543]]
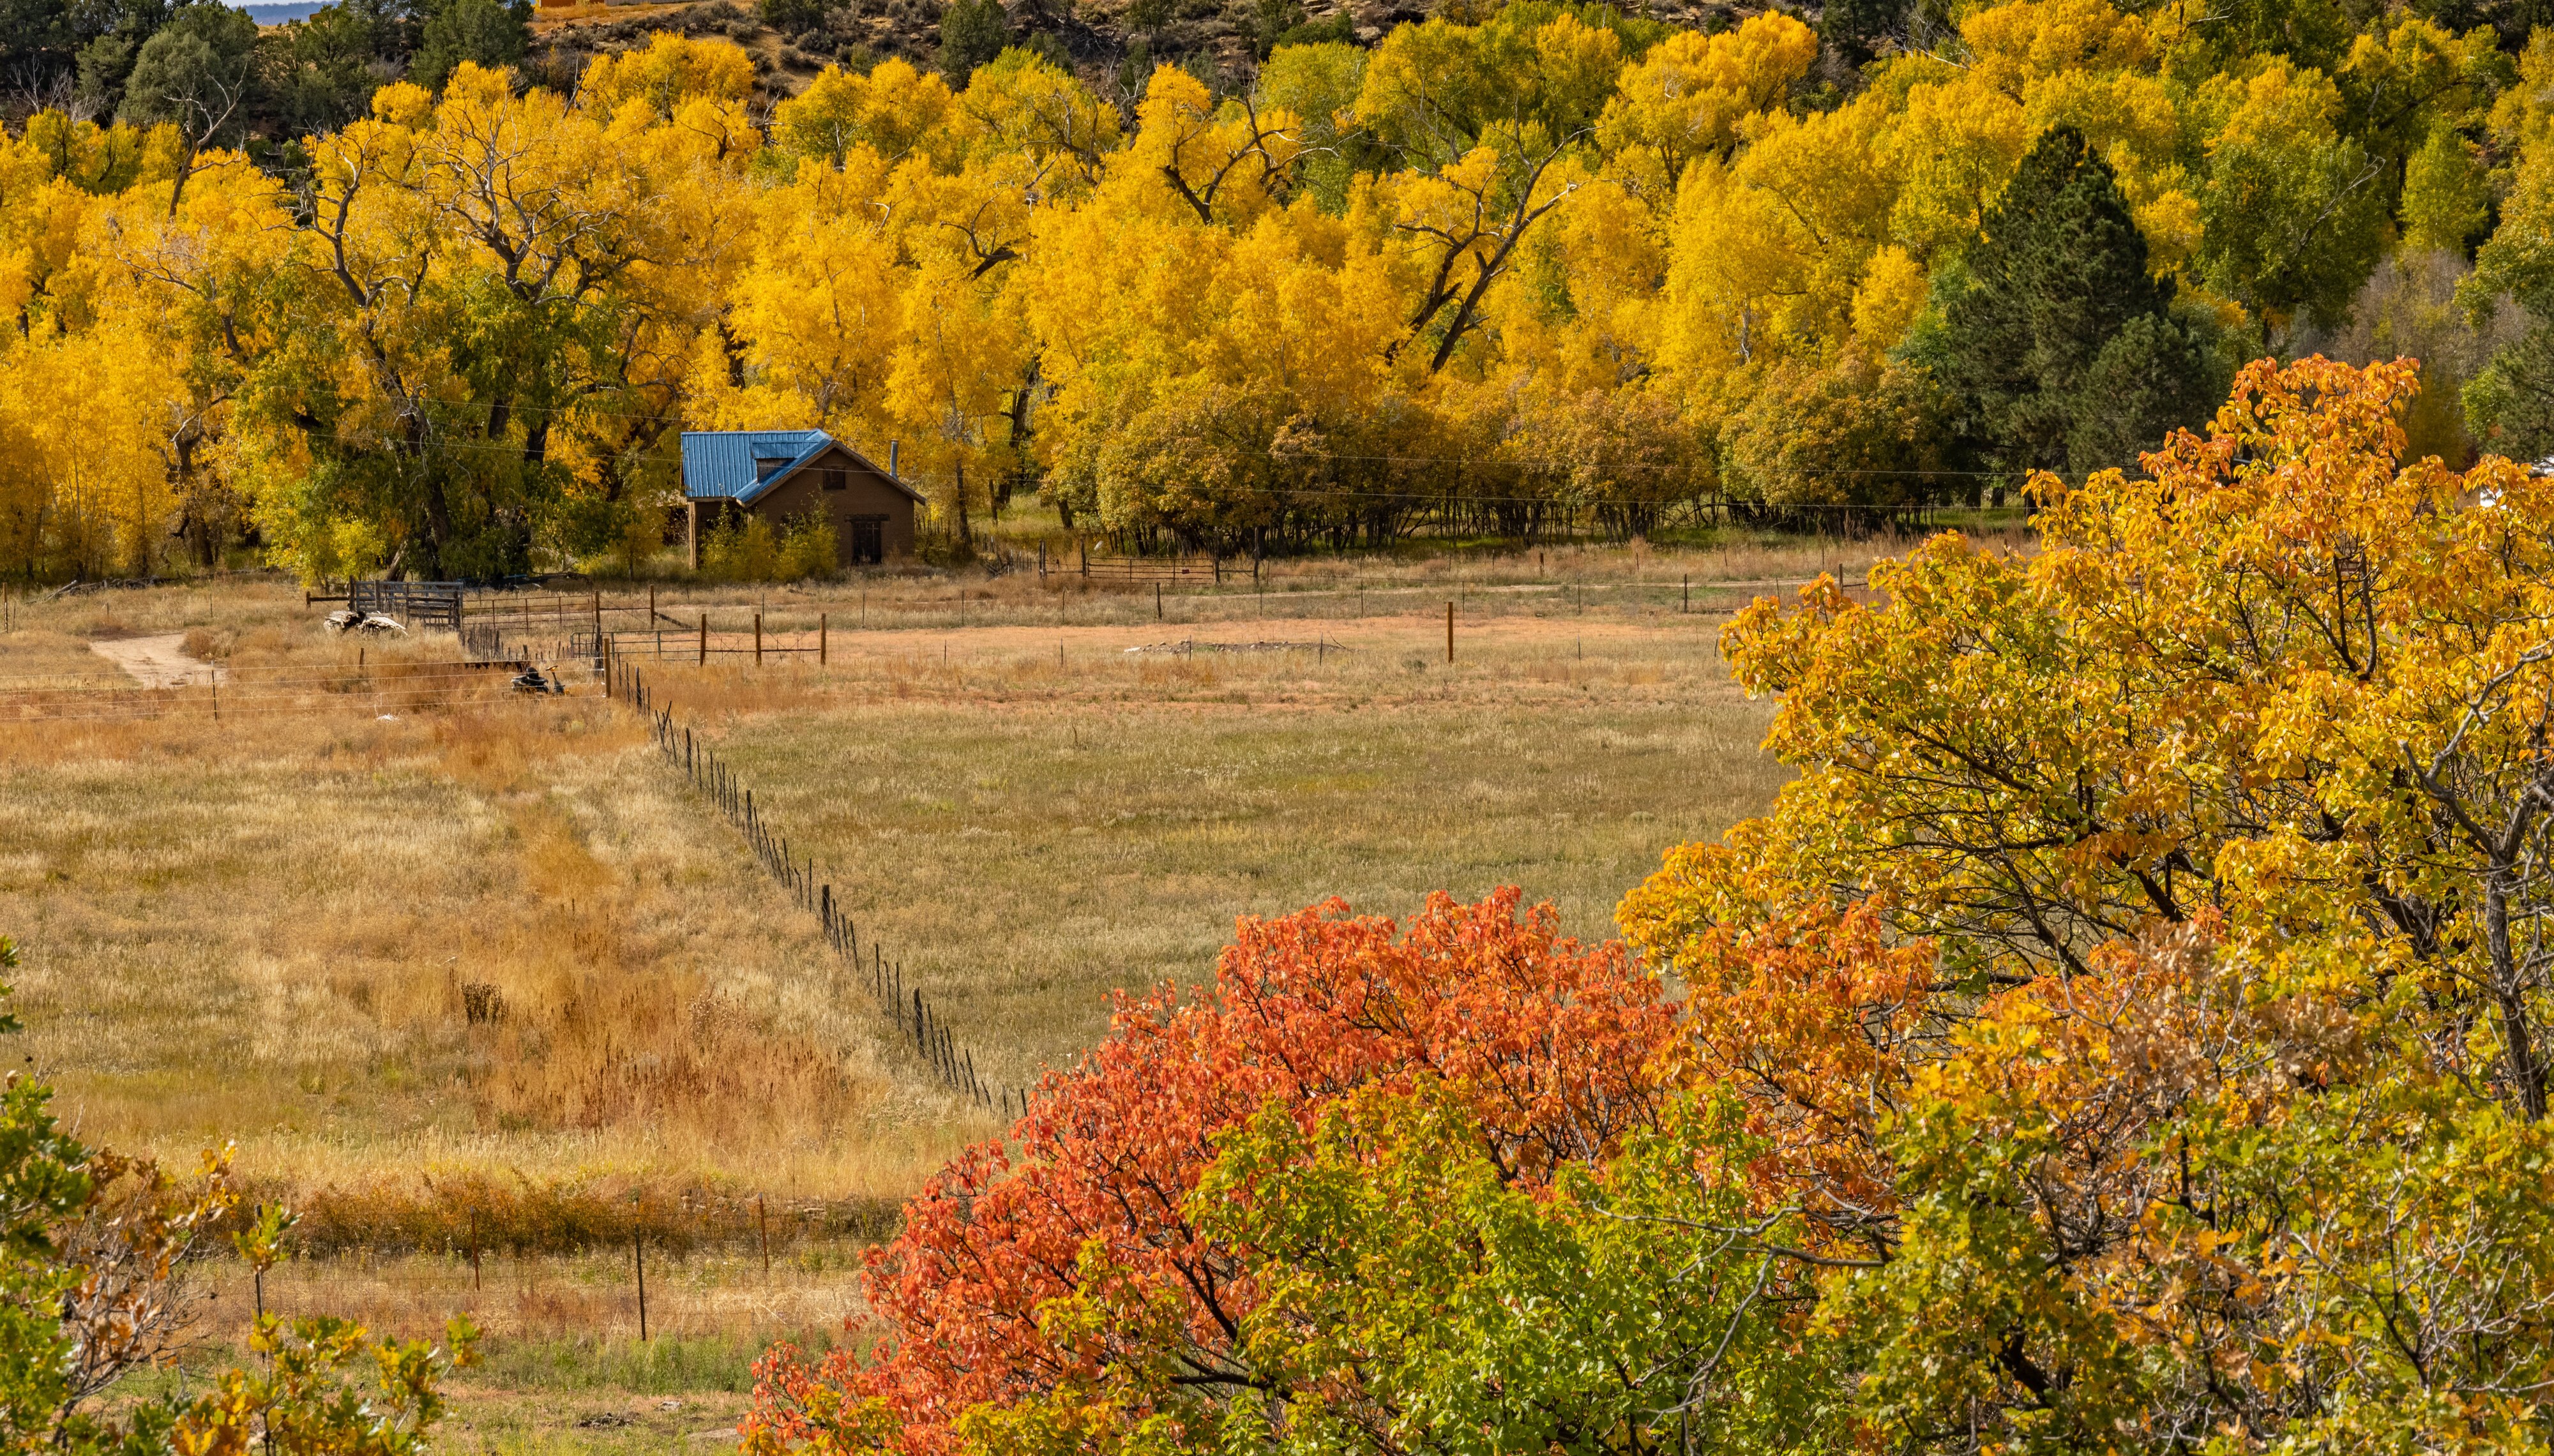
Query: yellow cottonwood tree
[[1688, 97], [473, 332], [85, 489]]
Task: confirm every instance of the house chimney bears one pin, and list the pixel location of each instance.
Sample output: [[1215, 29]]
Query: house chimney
[[891, 459]]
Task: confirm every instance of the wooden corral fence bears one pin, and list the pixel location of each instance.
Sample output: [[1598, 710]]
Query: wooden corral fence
[[513, 613], [503, 625], [1105, 568], [702, 639], [913, 1013], [413, 604]]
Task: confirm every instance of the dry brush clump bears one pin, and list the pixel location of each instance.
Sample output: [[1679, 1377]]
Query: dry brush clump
[[281, 930], [495, 1213], [659, 1052]]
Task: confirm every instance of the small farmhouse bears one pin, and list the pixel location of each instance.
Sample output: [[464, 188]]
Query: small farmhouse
[[782, 475]]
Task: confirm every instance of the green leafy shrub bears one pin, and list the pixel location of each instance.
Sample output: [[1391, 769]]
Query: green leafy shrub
[[750, 549], [809, 548], [743, 549]]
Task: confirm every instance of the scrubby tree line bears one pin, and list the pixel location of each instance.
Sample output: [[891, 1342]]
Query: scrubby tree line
[[208, 69], [2128, 1033], [1552, 265]]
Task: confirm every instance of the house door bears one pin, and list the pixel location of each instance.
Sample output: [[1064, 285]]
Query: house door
[[869, 540]]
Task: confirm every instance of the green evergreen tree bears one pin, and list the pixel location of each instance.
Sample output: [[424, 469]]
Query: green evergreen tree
[[320, 73], [1266, 22], [794, 17], [2512, 401], [196, 73], [2063, 353], [482, 31], [1855, 29], [972, 33]]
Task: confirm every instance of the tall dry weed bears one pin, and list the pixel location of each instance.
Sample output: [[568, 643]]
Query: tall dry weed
[[498, 1214], [491, 939]]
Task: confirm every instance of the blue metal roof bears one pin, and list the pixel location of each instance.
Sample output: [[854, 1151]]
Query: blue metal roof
[[721, 464]]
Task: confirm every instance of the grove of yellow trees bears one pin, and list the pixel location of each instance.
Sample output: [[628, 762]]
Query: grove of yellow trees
[[1558, 265]]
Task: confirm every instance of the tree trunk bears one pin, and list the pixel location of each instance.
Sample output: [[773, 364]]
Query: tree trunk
[[2518, 1042], [438, 525], [201, 529]]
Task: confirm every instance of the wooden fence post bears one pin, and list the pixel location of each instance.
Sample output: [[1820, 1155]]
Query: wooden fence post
[[705, 639], [819, 638], [638, 1256], [757, 639], [1450, 631]]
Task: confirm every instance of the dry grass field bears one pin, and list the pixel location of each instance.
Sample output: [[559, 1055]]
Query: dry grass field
[[1030, 817], [563, 1369], [490, 966], [271, 929]]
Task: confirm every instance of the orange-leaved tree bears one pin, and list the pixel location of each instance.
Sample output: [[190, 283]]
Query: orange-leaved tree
[[2205, 1110], [1811, 1020], [1543, 1048], [2281, 673]]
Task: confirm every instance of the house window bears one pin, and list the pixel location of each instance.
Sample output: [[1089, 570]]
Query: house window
[[836, 478], [765, 468]]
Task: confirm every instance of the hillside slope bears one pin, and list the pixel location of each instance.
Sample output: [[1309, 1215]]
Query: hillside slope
[[1097, 41]]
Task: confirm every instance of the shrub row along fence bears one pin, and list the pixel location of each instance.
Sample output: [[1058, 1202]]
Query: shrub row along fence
[[381, 689], [922, 1024], [471, 1215]]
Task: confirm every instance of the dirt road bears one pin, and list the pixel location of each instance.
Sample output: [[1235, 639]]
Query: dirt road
[[157, 661]]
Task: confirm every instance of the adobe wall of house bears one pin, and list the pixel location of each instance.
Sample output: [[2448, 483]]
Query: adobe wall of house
[[866, 492]]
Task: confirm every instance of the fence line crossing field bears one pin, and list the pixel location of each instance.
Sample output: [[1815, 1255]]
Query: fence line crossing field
[[371, 947], [470, 979], [1037, 816]]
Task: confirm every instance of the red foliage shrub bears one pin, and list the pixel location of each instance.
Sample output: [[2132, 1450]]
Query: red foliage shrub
[[1549, 1043]]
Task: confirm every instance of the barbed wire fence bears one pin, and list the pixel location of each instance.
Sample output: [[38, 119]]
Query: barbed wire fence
[[922, 1024]]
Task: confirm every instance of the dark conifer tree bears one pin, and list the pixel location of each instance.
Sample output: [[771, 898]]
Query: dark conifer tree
[[2063, 352], [972, 34], [1855, 29]]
